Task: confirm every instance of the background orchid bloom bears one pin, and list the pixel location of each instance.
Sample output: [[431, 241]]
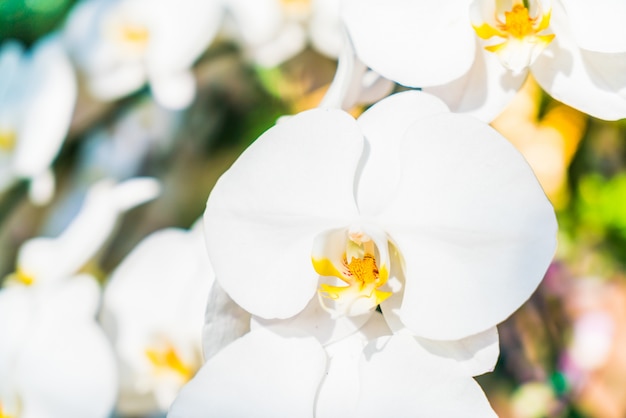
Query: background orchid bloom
[[475, 54], [37, 96], [122, 44], [153, 311], [365, 373], [433, 215], [44, 260], [55, 361], [275, 30]]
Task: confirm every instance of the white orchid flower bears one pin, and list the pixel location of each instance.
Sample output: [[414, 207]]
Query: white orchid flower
[[430, 214], [153, 310], [55, 361], [275, 30], [122, 44], [43, 260], [475, 54], [367, 373], [37, 97]]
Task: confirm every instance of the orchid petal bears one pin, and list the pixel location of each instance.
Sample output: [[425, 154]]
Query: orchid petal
[[182, 31], [315, 321], [224, 322], [600, 27], [258, 20], [476, 354], [397, 45], [41, 188], [118, 82], [174, 91], [592, 82], [398, 379], [326, 30], [484, 91], [68, 367], [384, 125], [51, 96], [483, 234], [259, 239], [266, 368], [339, 391], [168, 263], [51, 259]]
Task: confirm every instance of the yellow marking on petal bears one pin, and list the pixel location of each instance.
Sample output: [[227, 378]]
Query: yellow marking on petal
[[20, 277], [8, 138], [167, 359], [324, 267], [486, 31], [136, 35]]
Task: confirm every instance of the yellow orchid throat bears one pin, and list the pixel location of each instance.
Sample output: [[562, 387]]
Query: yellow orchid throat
[[167, 359], [362, 276], [521, 33], [8, 138]]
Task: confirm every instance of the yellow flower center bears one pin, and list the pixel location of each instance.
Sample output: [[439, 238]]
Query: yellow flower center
[[7, 143], [296, 7], [135, 35], [522, 35], [517, 22], [167, 359], [360, 273]]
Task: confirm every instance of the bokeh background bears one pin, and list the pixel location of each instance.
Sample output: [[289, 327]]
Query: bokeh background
[[563, 354]]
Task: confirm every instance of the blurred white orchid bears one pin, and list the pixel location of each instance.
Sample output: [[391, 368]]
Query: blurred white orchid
[[275, 30], [55, 361], [42, 260], [122, 44], [37, 97], [430, 214], [475, 54], [366, 373], [153, 311]]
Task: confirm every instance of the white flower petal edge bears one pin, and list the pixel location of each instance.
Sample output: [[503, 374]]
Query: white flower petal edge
[[476, 354], [483, 91], [65, 366], [593, 82], [471, 224], [428, 389], [172, 266], [224, 322], [295, 181], [389, 37], [50, 259], [261, 374], [598, 27]]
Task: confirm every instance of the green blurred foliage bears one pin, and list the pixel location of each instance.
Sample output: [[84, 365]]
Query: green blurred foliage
[[28, 20]]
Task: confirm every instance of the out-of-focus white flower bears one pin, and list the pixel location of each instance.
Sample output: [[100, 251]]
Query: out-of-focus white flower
[[430, 214], [37, 98], [122, 44], [44, 260], [55, 361], [153, 311], [275, 30], [367, 373], [475, 54]]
